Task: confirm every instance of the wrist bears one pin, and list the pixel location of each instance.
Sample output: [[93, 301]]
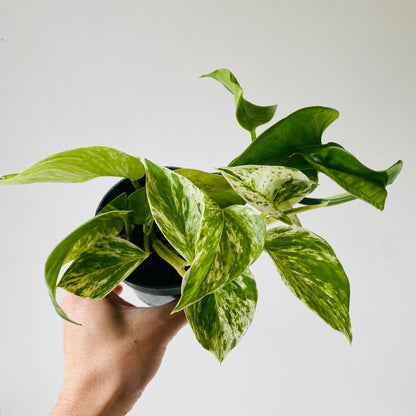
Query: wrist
[[88, 396]]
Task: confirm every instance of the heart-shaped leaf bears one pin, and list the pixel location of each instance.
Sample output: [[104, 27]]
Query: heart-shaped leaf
[[309, 267], [249, 116], [80, 240], [347, 171], [177, 206], [79, 165], [220, 319], [270, 189], [100, 268], [239, 242]]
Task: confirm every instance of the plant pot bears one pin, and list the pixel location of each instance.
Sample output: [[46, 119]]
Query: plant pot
[[155, 282]]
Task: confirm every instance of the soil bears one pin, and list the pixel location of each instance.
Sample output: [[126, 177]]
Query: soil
[[154, 271]]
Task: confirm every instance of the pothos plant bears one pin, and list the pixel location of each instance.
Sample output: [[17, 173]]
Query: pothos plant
[[217, 224]]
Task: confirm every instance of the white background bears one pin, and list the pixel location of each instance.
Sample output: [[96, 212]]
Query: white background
[[125, 74]]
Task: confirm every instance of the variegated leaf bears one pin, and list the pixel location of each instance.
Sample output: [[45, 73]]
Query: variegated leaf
[[177, 206], [309, 267], [84, 237], [220, 319], [100, 268], [207, 243], [240, 244], [214, 185], [270, 189], [79, 165]]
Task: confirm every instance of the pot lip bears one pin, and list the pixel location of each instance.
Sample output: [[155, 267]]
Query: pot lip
[[159, 290], [101, 204]]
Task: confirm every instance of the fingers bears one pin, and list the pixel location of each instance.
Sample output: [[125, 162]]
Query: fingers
[[117, 290]]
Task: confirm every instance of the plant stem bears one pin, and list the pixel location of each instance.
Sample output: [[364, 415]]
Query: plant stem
[[333, 200], [313, 203], [127, 226], [297, 210], [135, 184], [253, 135], [146, 242], [169, 256]]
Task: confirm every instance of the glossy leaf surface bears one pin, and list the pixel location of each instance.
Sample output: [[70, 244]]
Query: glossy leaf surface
[[80, 240], [79, 165], [270, 189], [346, 170], [101, 267], [310, 268], [177, 206], [278, 143], [220, 319], [249, 116], [238, 245], [214, 185]]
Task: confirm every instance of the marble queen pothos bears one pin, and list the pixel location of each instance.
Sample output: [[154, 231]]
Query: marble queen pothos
[[217, 224]]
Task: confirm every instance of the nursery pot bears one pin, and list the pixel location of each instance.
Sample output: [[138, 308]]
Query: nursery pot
[[155, 281]]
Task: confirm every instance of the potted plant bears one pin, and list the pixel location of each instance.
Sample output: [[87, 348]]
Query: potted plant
[[209, 227]]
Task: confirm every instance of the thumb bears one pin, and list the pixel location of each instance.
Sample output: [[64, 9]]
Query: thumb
[[168, 323]]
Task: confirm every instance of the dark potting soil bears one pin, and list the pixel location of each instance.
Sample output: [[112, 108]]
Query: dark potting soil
[[154, 271]]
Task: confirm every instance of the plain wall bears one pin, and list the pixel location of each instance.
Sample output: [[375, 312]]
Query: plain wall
[[125, 74]]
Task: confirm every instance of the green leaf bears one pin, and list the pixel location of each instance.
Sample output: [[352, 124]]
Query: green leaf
[[249, 116], [270, 189], [345, 169], [80, 240], [277, 144], [309, 267], [139, 204], [100, 268], [214, 185], [177, 206], [237, 244], [79, 165], [119, 203], [220, 319]]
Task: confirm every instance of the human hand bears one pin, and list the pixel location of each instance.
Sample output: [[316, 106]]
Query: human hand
[[111, 358]]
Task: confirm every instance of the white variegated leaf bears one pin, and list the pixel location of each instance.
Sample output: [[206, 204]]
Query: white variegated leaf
[[270, 189], [310, 268], [100, 268], [84, 237], [79, 165], [214, 185], [177, 206], [220, 319], [240, 243], [207, 243]]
